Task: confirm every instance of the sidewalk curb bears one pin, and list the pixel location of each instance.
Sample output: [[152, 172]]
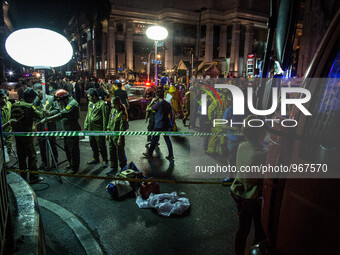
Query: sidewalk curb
[[27, 228], [85, 237]]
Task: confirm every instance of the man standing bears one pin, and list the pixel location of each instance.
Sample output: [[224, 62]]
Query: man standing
[[187, 105], [121, 94], [96, 120], [6, 107], [69, 114], [117, 122], [127, 86], [150, 116], [216, 111], [245, 191], [163, 122], [25, 113], [164, 80]]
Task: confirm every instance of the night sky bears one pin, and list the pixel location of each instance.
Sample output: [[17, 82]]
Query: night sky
[[51, 14]]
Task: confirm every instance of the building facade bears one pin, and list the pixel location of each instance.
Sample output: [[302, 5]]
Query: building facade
[[229, 31]]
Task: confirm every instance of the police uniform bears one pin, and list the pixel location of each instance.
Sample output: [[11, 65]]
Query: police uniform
[[151, 115], [216, 111], [25, 113], [69, 117], [151, 124], [187, 106], [5, 117], [117, 122], [96, 120], [53, 109]]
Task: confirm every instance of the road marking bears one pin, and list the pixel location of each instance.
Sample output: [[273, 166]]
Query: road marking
[[86, 239]]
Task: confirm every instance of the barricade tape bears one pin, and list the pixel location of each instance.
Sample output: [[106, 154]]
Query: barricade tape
[[117, 133], [115, 178]]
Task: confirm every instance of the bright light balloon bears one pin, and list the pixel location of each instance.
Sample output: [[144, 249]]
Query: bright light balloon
[[39, 47], [157, 33]]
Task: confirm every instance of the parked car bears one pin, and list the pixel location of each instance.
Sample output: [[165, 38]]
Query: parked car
[[139, 97]]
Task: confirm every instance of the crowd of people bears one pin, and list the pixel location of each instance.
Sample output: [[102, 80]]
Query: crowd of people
[[61, 104], [33, 112]]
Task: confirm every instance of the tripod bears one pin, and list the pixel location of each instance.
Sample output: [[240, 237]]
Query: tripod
[[49, 151]]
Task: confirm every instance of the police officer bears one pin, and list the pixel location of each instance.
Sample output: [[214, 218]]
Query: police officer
[[216, 111], [150, 116], [6, 107], [69, 115], [117, 122], [187, 104], [96, 120], [50, 108], [25, 113]]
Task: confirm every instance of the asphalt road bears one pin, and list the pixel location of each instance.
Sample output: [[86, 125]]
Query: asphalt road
[[120, 227]]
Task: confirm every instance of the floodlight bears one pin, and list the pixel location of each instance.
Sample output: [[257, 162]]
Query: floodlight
[[38, 47], [157, 33]]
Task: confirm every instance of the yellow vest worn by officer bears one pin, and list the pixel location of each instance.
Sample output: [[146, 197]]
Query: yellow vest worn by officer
[[25, 113], [96, 117], [216, 111], [117, 122], [6, 115]]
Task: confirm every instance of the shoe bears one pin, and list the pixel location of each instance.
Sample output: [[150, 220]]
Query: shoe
[[68, 167], [93, 161], [170, 158], [183, 121], [227, 181], [71, 171], [112, 172], [105, 163], [36, 180], [147, 155]]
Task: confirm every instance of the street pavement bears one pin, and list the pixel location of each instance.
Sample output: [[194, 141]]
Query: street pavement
[[120, 227]]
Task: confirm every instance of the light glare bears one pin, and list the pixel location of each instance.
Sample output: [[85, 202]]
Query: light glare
[[157, 33], [38, 47]]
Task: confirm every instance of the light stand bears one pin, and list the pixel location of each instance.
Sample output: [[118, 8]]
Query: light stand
[[42, 49], [48, 148], [156, 80], [156, 33]]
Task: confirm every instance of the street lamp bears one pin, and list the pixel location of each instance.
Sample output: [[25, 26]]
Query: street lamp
[[156, 33]]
